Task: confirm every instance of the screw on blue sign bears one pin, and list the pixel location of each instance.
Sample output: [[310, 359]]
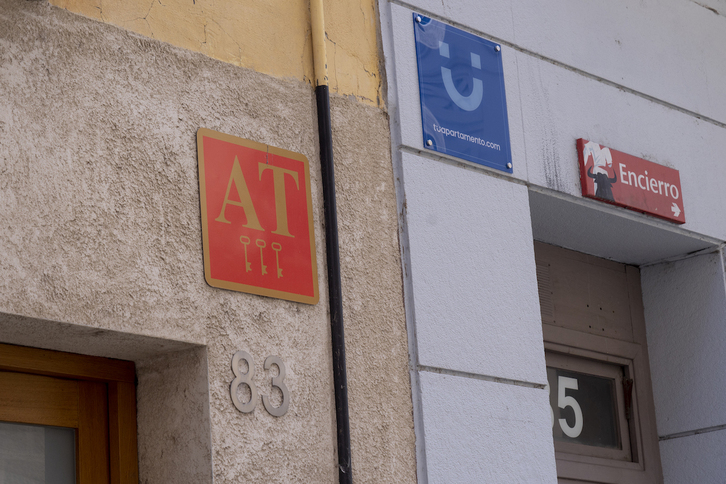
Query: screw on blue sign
[[463, 103]]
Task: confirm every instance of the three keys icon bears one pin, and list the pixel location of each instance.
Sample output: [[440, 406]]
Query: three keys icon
[[276, 246]]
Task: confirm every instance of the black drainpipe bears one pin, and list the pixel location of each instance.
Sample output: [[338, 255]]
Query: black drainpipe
[[335, 292]]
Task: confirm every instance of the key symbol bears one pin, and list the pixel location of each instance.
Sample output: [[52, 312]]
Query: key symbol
[[246, 241], [277, 248], [261, 244]]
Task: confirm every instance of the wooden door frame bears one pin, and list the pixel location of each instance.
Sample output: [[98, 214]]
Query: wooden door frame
[[112, 381]]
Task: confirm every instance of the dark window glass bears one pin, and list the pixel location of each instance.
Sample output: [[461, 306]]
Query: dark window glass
[[584, 408]]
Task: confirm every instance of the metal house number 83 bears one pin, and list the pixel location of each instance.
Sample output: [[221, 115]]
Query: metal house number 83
[[247, 379]]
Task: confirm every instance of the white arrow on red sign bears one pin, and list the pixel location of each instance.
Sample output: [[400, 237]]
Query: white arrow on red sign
[[675, 209]]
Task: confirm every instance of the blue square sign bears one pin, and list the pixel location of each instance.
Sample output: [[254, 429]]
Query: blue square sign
[[463, 104]]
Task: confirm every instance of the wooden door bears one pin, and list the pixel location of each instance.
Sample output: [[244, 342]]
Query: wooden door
[[93, 396]]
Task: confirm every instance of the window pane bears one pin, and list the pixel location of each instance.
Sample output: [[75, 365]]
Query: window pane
[[35, 454], [584, 408]]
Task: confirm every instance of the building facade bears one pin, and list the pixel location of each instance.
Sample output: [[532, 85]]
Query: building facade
[[499, 313], [500, 326], [102, 240]]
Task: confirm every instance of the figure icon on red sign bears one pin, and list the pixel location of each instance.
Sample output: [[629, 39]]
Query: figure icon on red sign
[[603, 183], [614, 177], [602, 160]]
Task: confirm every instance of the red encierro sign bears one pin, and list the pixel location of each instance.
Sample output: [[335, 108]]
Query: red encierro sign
[[625, 180], [257, 218]]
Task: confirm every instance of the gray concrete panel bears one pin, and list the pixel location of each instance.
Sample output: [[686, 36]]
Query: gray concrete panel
[[560, 106], [550, 107], [685, 311], [479, 431], [663, 49], [696, 458], [473, 272], [610, 232]]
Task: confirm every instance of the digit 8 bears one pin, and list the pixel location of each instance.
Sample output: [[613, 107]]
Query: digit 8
[[245, 378]]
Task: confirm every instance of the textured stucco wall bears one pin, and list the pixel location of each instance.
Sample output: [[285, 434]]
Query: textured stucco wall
[[173, 413], [382, 437], [269, 36], [100, 228]]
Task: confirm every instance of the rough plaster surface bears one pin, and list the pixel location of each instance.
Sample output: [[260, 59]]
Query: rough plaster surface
[[87, 340], [279, 30], [685, 311], [473, 272], [100, 228], [382, 433], [173, 418], [694, 459], [479, 431]]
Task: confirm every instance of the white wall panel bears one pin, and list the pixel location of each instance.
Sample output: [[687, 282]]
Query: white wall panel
[[550, 107], [694, 459], [605, 231], [483, 432], [559, 106], [473, 271], [685, 314], [496, 16], [662, 48], [473, 297], [406, 77]]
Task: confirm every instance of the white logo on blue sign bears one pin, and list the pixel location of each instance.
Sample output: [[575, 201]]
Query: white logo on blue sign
[[463, 102]]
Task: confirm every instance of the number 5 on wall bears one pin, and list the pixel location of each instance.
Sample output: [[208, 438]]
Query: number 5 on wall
[[563, 401]]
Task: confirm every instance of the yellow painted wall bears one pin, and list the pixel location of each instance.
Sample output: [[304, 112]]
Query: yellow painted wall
[[269, 36]]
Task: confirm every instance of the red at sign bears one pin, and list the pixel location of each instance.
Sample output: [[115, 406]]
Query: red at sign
[[621, 179], [257, 218]]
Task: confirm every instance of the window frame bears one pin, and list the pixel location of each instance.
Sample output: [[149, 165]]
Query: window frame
[[578, 466], [597, 365], [571, 333]]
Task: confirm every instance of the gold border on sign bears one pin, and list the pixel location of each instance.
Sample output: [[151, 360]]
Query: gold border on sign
[[234, 286]]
